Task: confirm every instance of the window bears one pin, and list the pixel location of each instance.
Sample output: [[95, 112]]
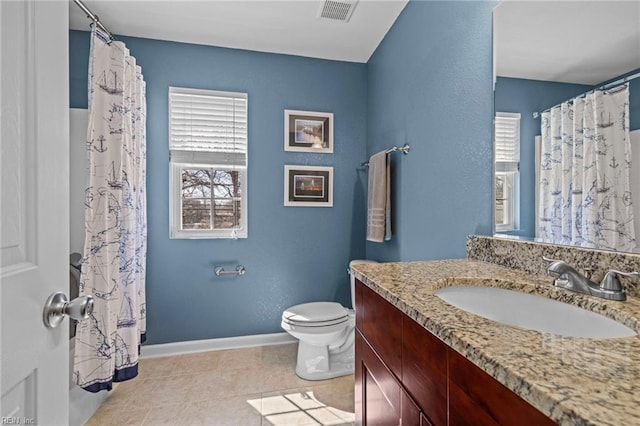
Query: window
[[507, 166], [208, 145]]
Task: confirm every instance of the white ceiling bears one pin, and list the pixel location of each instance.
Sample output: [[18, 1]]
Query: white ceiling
[[278, 26], [585, 42]]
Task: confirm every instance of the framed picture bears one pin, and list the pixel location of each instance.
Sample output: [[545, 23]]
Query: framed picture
[[308, 186], [306, 131]]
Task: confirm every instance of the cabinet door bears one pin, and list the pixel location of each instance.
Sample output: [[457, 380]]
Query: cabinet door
[[358, 391], [424, 370], [424, 421], [476, 398], [381, 393], [381, 325], [410, 413]]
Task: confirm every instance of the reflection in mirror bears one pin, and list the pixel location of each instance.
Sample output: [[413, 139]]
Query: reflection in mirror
[[547, 53]]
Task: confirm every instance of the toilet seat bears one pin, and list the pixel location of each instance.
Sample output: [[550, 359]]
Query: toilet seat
[[316, 314], [317, 330], [316, 323]]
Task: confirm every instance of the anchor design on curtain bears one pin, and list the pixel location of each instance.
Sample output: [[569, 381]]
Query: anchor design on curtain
[[113, 268], [585, 190]]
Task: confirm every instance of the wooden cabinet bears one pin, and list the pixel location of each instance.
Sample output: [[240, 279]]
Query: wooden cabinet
[[381, 323], [424, 370], [406, 376], [381, 403], [476, 398], [410, 412], [384, 400]]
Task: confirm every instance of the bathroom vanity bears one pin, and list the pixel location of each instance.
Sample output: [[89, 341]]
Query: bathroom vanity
[[421, 361], [397, 359]]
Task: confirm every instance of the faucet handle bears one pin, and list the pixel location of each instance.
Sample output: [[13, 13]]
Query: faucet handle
[[556, 267], [611, 281]]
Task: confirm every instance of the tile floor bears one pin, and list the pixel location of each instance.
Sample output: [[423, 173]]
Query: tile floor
[[240, 387]]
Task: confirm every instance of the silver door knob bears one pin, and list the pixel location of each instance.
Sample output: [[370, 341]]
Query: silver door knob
[[57, 306]]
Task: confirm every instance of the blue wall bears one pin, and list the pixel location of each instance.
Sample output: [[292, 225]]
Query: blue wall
[[430, 85], [293, 255], [526, 97]]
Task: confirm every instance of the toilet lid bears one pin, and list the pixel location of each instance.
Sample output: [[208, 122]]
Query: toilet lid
[[315, 312]]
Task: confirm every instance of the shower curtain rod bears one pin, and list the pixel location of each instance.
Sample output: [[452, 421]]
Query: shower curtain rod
[[94, 18], [603, 87], [404, 149]]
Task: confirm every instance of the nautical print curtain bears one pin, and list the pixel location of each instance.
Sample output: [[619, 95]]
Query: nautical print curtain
[[585, 195], [113, 269]]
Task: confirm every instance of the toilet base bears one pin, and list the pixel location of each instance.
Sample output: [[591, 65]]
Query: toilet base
[[321, 363]]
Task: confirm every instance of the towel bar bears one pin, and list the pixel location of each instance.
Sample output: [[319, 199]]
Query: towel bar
[[404, 148], [219, 271]]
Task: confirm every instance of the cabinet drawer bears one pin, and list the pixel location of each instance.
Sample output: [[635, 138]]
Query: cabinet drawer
[[358, 304], [381, 325], [424, 370], [474, 395]]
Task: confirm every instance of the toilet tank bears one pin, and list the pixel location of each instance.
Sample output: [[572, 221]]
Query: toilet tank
[[353, 279]]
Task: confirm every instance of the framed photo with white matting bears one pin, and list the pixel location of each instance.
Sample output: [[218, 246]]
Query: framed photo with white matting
[[307, 131], [308, 186]]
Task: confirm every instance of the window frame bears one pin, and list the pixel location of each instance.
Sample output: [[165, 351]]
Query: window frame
[[510, 188], [510, 170], [200, 159], [175, 201]]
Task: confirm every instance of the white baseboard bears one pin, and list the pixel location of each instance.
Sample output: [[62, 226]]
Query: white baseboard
[[194, 346]]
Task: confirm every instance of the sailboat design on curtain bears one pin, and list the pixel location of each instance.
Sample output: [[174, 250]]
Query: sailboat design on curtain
[[585, 189], [113, 84], [127, 315], [113, 179], [114, 262]]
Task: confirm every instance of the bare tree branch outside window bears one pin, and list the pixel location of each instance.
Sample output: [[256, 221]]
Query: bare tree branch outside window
[[210, 193]]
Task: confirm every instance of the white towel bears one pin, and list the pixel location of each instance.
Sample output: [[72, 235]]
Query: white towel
[[379, 198]]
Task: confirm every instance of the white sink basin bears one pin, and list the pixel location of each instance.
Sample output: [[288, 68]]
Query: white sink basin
[[532, 312]]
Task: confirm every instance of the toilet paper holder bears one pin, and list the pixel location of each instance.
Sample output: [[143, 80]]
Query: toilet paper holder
[[219, 271]]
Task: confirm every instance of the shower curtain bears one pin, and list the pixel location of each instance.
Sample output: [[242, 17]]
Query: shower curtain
[[585, 195], [113, 268]]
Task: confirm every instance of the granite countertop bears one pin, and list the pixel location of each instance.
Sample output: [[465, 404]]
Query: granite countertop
[[571, 380]]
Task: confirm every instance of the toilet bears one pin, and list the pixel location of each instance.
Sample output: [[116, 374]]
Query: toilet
[[326, 333]]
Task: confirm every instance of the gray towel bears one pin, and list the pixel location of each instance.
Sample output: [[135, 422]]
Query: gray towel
[[379, 198]]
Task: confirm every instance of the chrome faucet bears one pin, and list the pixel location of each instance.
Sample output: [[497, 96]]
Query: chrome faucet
[[570, 279]]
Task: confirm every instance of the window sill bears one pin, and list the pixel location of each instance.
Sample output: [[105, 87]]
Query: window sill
[[193, 235]]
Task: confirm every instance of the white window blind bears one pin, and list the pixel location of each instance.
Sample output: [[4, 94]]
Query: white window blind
[[208, 145], [507, 141], [207, 126]]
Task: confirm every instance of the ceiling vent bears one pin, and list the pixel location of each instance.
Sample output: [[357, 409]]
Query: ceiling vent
[[337, 10]]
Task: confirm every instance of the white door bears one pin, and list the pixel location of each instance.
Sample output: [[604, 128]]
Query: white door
[[34, 232]]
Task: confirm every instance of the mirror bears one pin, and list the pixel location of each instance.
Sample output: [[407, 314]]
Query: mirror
[[546, 52]]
